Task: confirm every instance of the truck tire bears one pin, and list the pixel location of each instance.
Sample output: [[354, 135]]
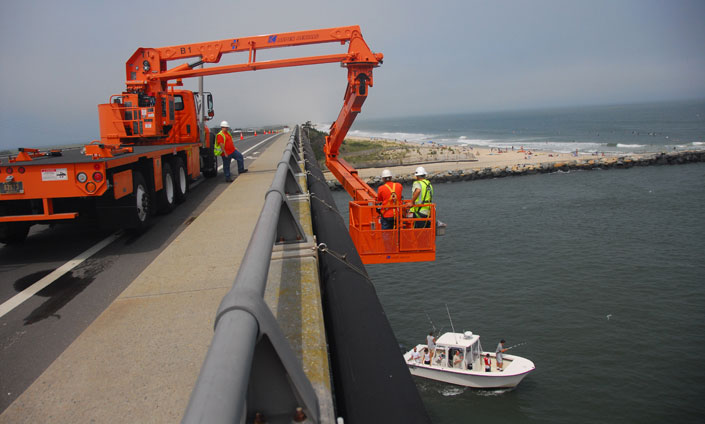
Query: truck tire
[[143, 201], [181, 179], [210, 162], [167, 196], [13, 232]]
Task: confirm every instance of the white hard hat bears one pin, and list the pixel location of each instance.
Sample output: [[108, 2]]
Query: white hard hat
[[225, 124], [421, 171], [386, 173]]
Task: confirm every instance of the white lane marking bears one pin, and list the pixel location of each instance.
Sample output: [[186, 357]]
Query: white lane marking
[[243, 153], [30, 291], [253, 147]]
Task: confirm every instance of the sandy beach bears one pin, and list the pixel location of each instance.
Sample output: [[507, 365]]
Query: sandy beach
[[437, 159]]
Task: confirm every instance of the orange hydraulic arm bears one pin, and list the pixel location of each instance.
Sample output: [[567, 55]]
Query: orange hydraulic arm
[[146, 72], [412, 239], [359, 77]]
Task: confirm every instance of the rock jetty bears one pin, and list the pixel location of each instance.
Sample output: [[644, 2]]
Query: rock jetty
[[674, 158]]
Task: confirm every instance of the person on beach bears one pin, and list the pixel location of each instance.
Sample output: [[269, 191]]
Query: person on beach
[[488, 363], [389, 194], [422, 193], [431, 343], [498, 353], [225, 148]]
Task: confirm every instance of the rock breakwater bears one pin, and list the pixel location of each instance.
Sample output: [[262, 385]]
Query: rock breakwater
[[619, 162]]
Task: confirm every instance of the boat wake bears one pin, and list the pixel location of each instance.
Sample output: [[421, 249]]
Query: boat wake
[[452, 391], [490, 393]]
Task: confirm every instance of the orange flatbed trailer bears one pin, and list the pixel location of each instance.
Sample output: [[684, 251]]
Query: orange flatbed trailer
[[70, 174], [154, 141]]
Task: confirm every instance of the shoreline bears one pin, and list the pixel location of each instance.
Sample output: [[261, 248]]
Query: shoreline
[[470, 162]]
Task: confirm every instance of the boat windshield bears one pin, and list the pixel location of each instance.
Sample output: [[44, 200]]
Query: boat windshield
[[440, 357], [456, 357], [473, 354]]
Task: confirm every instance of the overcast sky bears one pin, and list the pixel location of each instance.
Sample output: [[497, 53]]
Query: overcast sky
[[59, 59]]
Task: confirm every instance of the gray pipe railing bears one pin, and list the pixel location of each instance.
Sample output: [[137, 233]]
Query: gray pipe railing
[[249, 359]]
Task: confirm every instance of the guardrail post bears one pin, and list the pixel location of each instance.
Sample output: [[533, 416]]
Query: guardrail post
[[291, 160], [277, 382], [291, 185], [295, 152], [288, 227]]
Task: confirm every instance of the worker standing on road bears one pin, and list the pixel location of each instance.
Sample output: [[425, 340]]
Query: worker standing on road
[[225, 148], [422, 193], [389, 194]]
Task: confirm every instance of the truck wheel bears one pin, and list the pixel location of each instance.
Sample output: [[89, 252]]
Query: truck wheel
[[166, 196], [210, 162], [13, 232], [181, 179], [210, 172], [143, 200]]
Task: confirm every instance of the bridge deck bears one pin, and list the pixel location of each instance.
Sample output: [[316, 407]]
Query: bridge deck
[[138, 361]]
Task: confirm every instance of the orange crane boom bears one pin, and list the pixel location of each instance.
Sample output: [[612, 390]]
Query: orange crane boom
[[146, 71], [151, 134]]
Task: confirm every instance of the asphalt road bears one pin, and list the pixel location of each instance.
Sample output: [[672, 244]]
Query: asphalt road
[[37, 331]]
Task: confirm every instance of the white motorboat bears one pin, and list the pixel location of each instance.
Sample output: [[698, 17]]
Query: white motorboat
[[469, 368]]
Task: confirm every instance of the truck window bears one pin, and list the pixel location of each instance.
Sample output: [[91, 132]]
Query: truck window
[[179, 102]]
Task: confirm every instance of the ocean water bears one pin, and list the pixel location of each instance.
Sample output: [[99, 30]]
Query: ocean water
[[601, 273], [640, 128]]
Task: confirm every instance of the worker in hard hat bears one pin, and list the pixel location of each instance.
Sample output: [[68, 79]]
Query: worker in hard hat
[[421, 193], [389, 194], [225, 148]]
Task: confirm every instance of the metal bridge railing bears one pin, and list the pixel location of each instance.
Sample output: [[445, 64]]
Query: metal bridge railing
[[250, 366]]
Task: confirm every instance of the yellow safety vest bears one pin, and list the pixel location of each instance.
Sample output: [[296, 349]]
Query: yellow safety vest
[[426, 196], [217, 150]]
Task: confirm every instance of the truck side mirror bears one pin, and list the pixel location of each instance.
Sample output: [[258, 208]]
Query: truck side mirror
[[209, 102]]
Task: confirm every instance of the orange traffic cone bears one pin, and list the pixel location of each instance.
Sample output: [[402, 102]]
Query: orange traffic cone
[[255, 132], [241, 137]]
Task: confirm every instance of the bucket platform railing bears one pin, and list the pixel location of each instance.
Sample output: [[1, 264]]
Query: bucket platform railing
[[411, 239]]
